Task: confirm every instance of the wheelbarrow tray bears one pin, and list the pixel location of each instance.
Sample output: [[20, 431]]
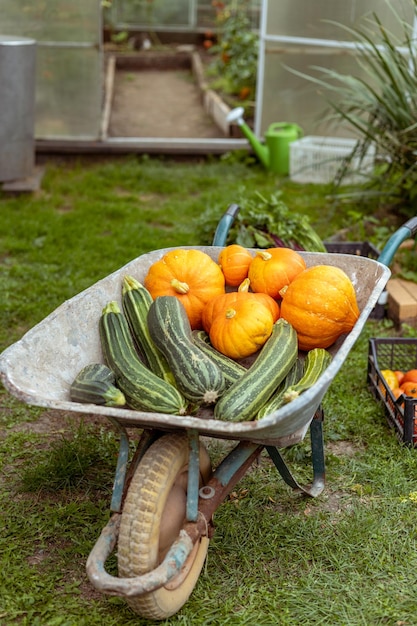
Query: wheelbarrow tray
[[40, 367]]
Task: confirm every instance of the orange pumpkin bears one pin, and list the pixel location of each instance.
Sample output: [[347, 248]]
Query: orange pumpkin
[[222, 302], [321, 305], [273, 269], [272, 304], [217, 305], [188, 274], [241, 329], [234, 261]]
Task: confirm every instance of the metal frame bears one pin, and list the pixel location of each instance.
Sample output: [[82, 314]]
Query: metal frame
[[144, 145]]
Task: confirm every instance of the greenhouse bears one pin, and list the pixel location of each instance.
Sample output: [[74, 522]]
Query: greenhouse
[[82, 45]]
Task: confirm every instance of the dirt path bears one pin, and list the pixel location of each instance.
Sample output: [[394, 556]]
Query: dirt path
[[159, 103]]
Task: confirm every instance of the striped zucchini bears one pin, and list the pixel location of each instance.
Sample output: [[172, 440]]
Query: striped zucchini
[[96, 384], [243, 399], [198, 377], [143, 389], [232, 370], [136, 301], [316, 361], [277, 399]]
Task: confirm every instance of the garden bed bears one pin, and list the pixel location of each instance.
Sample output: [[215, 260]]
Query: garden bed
[[162, 93]]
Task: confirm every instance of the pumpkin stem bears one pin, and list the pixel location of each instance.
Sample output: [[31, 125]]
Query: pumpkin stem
[[179, 287], [244, 286], [230, 313], [264, 254], [283, 291]]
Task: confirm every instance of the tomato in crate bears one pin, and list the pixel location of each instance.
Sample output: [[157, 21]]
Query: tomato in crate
[[398, 357]]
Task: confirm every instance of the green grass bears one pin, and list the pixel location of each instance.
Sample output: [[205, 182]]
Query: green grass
[[345, 558]]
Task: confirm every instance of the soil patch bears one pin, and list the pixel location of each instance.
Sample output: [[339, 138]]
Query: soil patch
[[159, 103], [159, 95]]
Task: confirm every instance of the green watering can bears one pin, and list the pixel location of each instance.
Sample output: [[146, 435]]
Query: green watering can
[[274, 154]]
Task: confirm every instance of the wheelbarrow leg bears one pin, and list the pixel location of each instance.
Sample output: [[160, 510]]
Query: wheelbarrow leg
[[317, 450], [121, 468], [124, 472]]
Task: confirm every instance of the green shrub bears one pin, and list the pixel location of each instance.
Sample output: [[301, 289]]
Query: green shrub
[[380, 105]]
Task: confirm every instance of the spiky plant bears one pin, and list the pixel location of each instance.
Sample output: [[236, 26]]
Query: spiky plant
[[380, 105]]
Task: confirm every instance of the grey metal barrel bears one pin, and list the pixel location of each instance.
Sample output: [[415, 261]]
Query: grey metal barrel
[[17, 107]]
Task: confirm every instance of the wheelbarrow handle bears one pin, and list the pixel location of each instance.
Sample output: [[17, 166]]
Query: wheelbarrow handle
[[223, 227], [406, 231]]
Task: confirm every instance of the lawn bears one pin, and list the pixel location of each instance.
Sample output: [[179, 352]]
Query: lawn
[[345, 558]]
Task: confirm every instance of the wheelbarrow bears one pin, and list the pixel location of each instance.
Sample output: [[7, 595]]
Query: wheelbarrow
[[164, 498]]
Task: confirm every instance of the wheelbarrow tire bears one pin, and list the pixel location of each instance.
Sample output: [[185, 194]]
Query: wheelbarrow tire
[[152, 516]]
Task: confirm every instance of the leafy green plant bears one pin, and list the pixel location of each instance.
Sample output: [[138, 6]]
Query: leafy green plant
[[380, 105], [235, 65], [265, 222]]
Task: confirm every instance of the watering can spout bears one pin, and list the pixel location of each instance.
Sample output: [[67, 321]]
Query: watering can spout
[[261, 151], [274, 153]]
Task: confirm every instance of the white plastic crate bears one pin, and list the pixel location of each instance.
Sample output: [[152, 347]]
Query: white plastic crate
[[315, 159]]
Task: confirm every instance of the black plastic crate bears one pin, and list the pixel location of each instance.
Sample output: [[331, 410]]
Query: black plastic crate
[[359, 248], [394, 354]]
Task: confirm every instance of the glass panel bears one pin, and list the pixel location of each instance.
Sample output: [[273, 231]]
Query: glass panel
[[290, 98], [51, 20], [306, 18], [206, 12], [68, 101], [153, 13], [286, 97], [168, 15]]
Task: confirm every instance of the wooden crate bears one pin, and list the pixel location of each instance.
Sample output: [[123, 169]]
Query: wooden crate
[[402, 301]]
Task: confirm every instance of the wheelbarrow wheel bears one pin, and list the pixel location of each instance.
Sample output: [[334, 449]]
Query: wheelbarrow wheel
[[152, 516]]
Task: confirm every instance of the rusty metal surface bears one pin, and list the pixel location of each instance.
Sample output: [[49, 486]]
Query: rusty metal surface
[[40, 367]]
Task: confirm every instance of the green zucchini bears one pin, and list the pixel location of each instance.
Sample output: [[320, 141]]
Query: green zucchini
[[232, 370], [144, 390], [96, 384], [244, 398], [136, 301], [316, 361], [277, 399], [198, 377]]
